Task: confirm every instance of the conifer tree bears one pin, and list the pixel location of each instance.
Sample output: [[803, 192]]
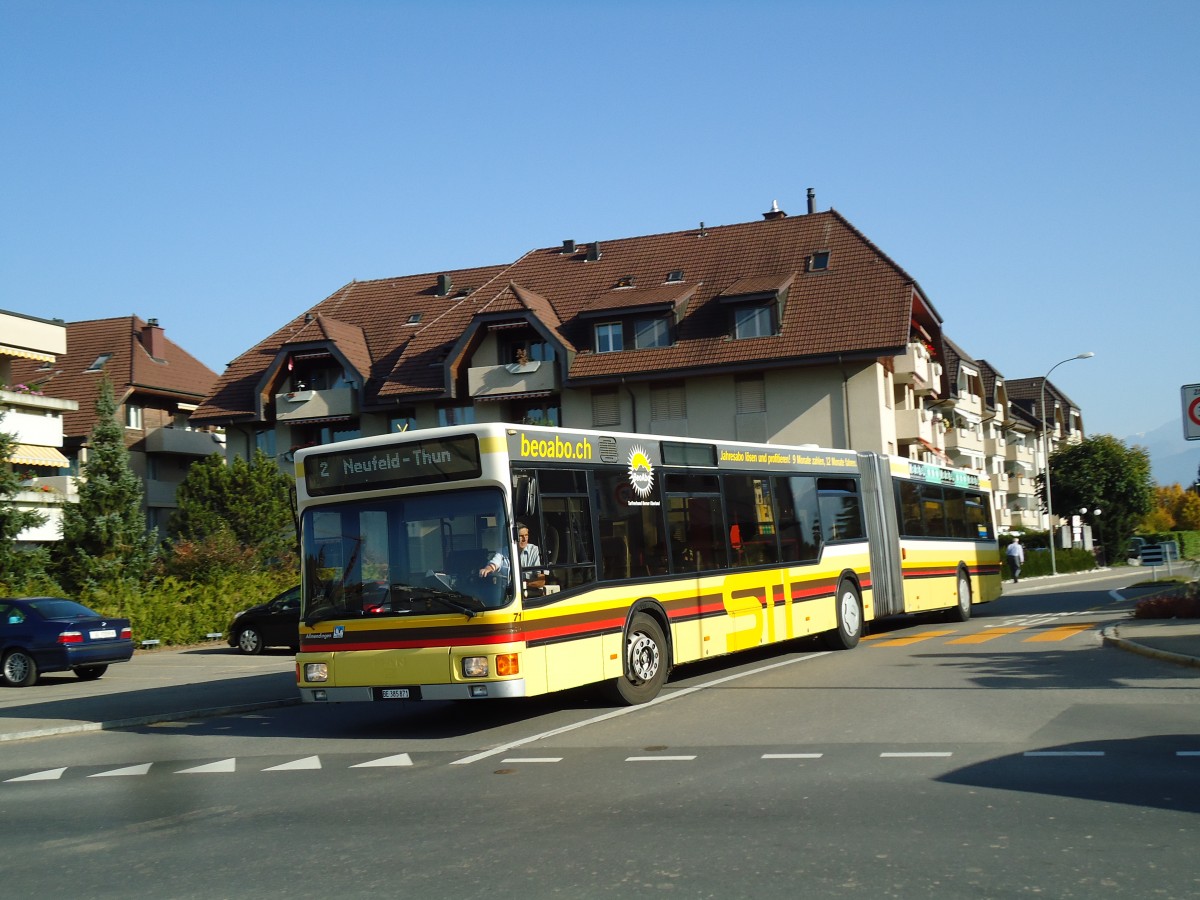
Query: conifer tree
[[105, 541]]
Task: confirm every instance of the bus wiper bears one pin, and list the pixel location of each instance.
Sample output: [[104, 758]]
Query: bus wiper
[[449, 599]]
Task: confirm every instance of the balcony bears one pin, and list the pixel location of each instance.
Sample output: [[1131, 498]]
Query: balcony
[[298, 405], [918, 425], [512, 379], [916, 367], [184, 442]]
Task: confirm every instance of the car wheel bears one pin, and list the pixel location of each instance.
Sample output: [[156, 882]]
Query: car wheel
[[250, 641], [849, 618], [19, 669], [90, 673], [645, 662]]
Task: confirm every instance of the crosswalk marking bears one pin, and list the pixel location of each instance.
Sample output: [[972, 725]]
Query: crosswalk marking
[[1061, 633], [984, 636], [913, 639]]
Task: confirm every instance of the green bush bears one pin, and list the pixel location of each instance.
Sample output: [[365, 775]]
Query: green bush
[[1037, 561], [178, 612]]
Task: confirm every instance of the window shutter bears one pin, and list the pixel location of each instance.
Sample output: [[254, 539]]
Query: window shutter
[[668, 402], [751, 395], [606, 409]]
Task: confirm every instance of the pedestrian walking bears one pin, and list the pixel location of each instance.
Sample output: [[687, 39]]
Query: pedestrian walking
[[1016, 558]]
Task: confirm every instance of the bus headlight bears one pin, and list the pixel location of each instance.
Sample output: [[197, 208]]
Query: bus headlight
[[475, 667], [316, 671]]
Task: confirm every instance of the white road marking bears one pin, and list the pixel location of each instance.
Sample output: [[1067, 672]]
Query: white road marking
[[127, 770], [309, 762], [224, 765], [400, 759], [47, 775]]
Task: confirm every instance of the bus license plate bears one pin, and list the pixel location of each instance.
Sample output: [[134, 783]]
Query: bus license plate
[[394, 693]]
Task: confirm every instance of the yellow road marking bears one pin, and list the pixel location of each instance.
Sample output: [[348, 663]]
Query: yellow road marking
[[915, 639], [1061, 633], [989, 635]]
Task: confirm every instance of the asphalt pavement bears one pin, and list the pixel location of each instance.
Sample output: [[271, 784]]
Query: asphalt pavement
[[164, 685]]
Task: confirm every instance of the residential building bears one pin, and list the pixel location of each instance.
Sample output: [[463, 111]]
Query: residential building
[[156, 384], [35, 420], [789, 329]]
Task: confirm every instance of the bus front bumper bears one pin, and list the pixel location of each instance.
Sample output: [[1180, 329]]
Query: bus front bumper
[[482, 690]]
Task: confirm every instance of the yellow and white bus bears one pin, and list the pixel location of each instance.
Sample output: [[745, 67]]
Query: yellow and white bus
[[650, 552]]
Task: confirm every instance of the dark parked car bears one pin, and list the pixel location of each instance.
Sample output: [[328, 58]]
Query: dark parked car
[[273, 624], [50, 634]]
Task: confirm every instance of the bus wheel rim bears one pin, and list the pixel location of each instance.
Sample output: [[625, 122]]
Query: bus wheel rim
[[643, 657], [850, 611]]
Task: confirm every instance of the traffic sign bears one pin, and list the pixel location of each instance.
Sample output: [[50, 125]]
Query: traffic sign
[[1191, 411]]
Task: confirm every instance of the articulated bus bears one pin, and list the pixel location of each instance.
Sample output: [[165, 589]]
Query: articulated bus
[[648, 552]]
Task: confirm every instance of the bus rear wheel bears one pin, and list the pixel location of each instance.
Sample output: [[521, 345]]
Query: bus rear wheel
[[849, 618], [962, 610], [645, 662]]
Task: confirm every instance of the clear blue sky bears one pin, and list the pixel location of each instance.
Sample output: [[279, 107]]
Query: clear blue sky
[[223, 165]]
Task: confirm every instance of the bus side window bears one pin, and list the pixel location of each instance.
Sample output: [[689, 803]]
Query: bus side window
[[908, 509], [841, 515], [799, 518], [933, 510]]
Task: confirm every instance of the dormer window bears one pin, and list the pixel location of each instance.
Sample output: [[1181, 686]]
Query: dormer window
[[819, 261], [651, 332], [609, 337], [754, 321]]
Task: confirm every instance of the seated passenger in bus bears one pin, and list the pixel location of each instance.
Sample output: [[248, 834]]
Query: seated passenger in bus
[[533, 577]]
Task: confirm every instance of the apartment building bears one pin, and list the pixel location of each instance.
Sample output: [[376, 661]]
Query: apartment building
[[787, 329], [34, 418], [157, 385]]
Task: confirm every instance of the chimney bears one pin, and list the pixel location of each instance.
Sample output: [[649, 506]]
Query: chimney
[[568, 246], [444, 285], [812, 201], [774, 212], [152, 339], [593, 252]]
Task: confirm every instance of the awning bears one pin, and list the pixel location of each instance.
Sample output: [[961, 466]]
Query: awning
[[33, 455], [6, 350], [934, 450], [525, 395]]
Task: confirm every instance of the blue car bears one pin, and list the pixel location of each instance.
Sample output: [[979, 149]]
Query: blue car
[[50, 634]]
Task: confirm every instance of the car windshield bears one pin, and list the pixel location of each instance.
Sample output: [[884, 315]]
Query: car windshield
[[57, 608], [406, 556]]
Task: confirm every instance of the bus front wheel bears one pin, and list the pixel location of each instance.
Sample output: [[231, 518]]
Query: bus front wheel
[[849, 618], [645, 662]]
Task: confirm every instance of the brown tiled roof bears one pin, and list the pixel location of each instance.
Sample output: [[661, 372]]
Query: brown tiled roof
[[174, 373], [368, 320], [861, 306]]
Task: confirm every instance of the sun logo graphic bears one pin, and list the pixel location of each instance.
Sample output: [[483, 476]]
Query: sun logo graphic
[[641, 476]]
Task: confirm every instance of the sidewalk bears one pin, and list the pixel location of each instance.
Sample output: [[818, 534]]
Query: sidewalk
[[154, 686]]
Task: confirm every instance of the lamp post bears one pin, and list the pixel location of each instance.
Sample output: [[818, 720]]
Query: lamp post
[[1046, 455]]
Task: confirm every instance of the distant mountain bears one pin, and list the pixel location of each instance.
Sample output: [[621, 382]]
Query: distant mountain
[[1173, 458]]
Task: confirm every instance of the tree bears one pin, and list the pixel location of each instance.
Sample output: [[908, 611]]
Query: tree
[[105, 542], [16, 565], [1102, 473], [234, 516]]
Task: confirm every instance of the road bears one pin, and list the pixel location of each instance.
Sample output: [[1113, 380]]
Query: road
[[1009, 756]]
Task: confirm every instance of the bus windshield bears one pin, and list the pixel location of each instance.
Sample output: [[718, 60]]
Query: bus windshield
[[408, 555]]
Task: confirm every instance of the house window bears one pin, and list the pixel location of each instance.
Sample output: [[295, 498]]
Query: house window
[[651, 333], [818, 261], [668, 402], [750, 395], [98, 363], [753, 321], [606, 409], [133, 416], [405, 420], [264, 440], [534, 414], [609, 337], [456, 415]]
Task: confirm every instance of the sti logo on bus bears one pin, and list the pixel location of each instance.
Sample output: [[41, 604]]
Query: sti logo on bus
[[641, 475]]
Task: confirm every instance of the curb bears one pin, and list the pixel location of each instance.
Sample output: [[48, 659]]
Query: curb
[[212, 712], [1112, 638]]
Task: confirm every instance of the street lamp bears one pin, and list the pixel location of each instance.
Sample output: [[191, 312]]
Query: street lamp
[[1046, 455]]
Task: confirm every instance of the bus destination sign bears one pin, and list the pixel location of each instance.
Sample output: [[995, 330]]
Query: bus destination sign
[[397, 465], [939, 475]]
